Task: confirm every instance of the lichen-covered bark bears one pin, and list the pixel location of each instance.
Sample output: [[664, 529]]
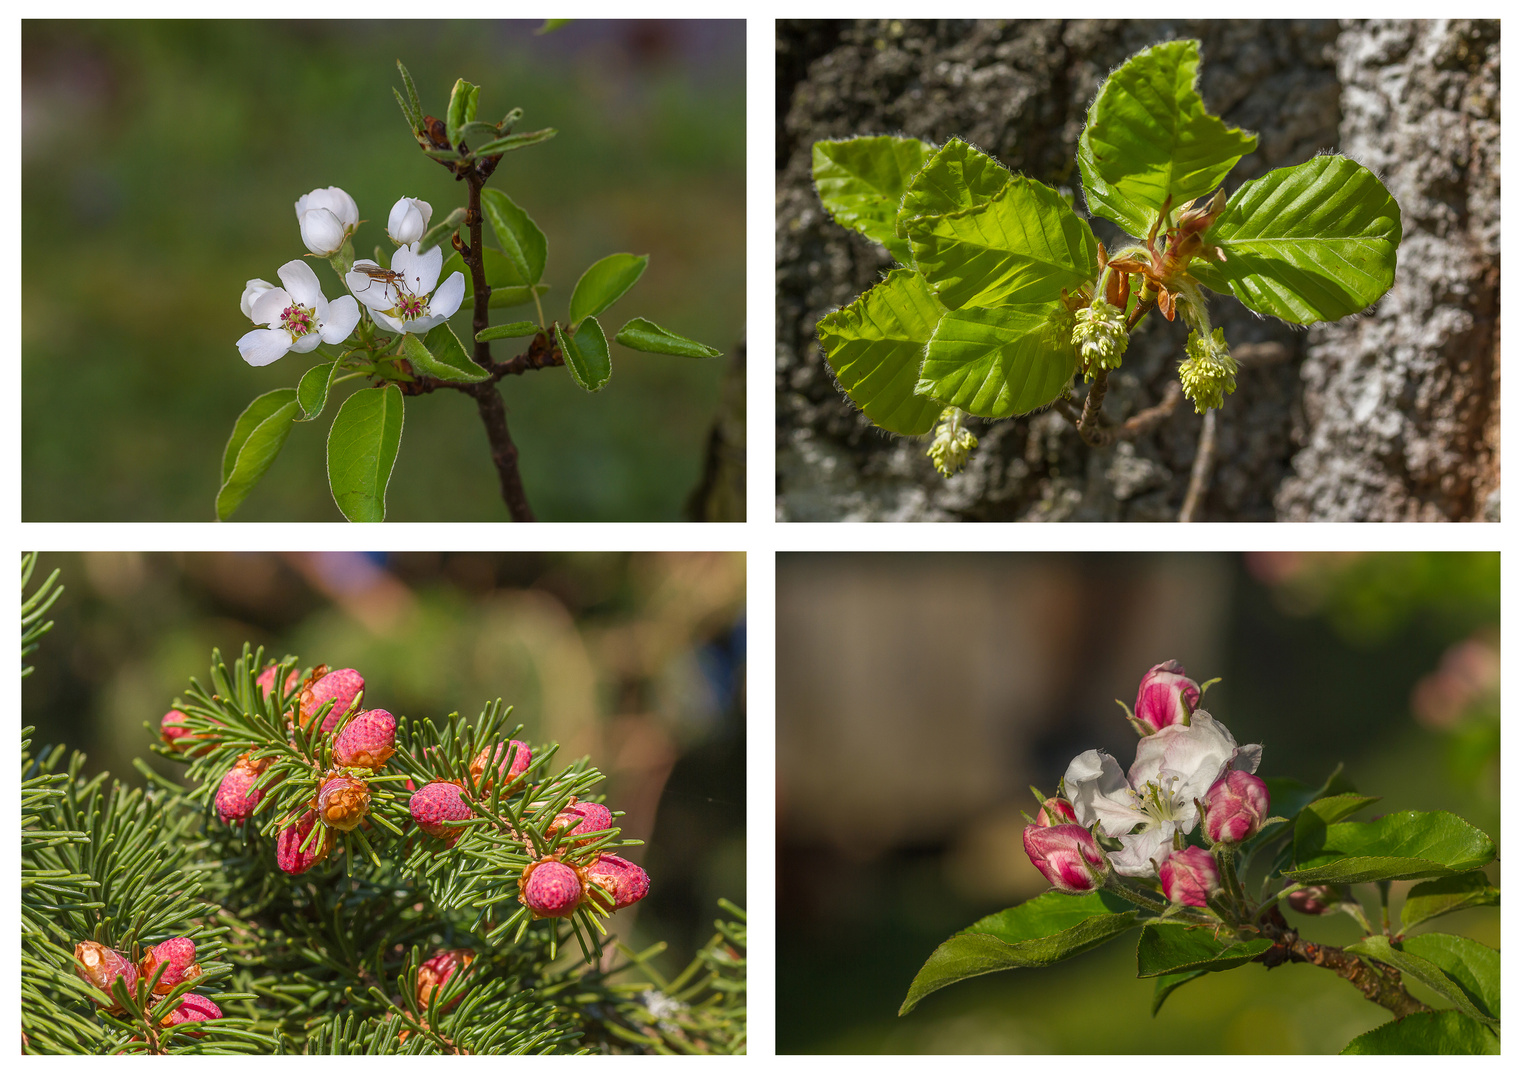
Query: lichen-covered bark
[[1020, 90]]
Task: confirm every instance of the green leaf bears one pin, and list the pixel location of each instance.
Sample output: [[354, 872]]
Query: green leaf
[[461, 111], [1446, 1032], [518, 235], [409, 117], [363, 444], [498, 270], [1150, 136], [1309, 243], [1047, 929], [999, 361], [875, 346], [861, 183], [1475, 968], [415, 120], [1481, 972], [514, 295], [958, 177], [586, 354], [515, 142], [1105, 200], [1429, 899], [645, 336], [1024, 246], [603, 284], [1397, 846], [440, 353], [1166, 984], [1286, 798], [514, 329], [258, 435], [437, 235], [1171, 949], [313, 390]]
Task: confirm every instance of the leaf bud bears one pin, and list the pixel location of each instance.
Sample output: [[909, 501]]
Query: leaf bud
[[367, 741], [174, 960], [435, 804], [343, 687], [623, 880], [343, 802]]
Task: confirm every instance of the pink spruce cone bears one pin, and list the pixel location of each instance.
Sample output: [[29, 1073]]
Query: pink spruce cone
[[178, 737], [192, 1008], [289, 854], [623, 880], [551, 890], [343, 687], [436, 972], [509, 763], [343, 802], [1167, 696], [1190, 876], [266, 680], [585, 817], [237, 795], [435, 804], [101, 967], [178, 957], [367, 741]]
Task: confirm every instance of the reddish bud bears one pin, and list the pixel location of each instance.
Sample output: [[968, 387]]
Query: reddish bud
[[290, 855], [1063, 853], [1235, 807], [179, 737], [1190, 876], [585, 817], [507, 759], [343, 687], [367, 741], [343, 802], [101, 967], [623, 880], [266, 681], [436, 972], [237, 795], [192, 1008], [1167, 696], [435, 804], [1056, 811], [551, 889], [1313, 900], [175, 960]]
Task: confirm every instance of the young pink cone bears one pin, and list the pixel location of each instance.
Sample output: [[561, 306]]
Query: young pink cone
[[178, 737], [1062, 853], [623, 880], [343, 687], [101, 967], [438, 970], [178, 957], [367, 741], [289, 854], [266, 680], [585, 817], [1235, 808], [237, 795], [551, 890], [1190, 876], [192, 1007], [435, 804], [1314, 900], [510, 763], [1167, 696], [343, 802]]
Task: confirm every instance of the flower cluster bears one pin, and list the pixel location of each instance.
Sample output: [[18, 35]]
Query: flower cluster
[[1100, 336], [953, 443], [1209, 371]]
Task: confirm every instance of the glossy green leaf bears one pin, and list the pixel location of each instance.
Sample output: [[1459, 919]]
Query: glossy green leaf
[[522, 241], [1476, 991], [875, 347], [461, 111], [1446, 1032], [1150, 135], [1023, 246], [363, 445], [603, 284], [646, 336], [313, 390], [1171, 949], [1166, 984], [1105, 200], [515, 142], [1309, 243], [1429, 899], [861, 183], [514, 329], [957, 177], [586, 354], [440, 353], [1410, 844], [1047, 929], [999, 361], [258, 436]]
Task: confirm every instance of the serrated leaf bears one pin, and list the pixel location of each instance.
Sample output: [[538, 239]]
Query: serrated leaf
[[875, 347], [1045, 930], [1478, 969], [1150, 136], [957, 177], [603, 284], [1166, 984], [646, 336], [363, 445], [586, 354], [515, 142], [1446, 1032], [1410, 844], [999, 361], [1171, 949], [1430, 899], [1105, 200], [514, 329], [1313, 242], [1286, 798], [258, 436], [1024, 246], [440, 353], [861, 183], [522, 241], [313, 390]]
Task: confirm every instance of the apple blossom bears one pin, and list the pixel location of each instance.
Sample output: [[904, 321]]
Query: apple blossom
[[1063, 853], [297, 317], [1172, 769], [326, 218], [1235, 808], [407, 221], [1167, 696], [1190, 876], [403, 303], [1056, 811]]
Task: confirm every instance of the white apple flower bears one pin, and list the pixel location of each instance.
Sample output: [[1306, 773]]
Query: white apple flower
[[326, 217], [1172, 768], [400, 298], [407, 221], [297, 317]]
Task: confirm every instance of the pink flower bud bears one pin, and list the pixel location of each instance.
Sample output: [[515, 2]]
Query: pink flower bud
[[174, 960], [435, 804], [343, 687], [585, 817], [367, 741], [1190, 876], [1314, 900], [237, 795], [1056, 811], [508, 759], [1235, 807], [191, 1009], [1062, 853], [624, 881], [438, 970], [343, 802], [101, 967], [552, 890], [289, 853], [1167, 696]]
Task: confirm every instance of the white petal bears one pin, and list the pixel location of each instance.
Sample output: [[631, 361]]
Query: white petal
[[377, 295], [252, 290], [269, 305], [306, 343], [322, 232], [339, 320], [261, 347], [1188, 758], [301, 282], [448, 298], [1247, 758], [423, 323], [422, 271], [1097, 790], [1134, 859], [387, 320]]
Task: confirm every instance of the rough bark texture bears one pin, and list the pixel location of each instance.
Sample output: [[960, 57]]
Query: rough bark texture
[[1389, 415]]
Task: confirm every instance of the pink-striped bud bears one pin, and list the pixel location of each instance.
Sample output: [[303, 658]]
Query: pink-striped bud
[[343, 687], [343, 802], [508, 760], [367, 741], [266, 681], [1167, 696], [550, 889], [237, 795], [192, 1008], [101, 967], [1063, 854], [1313, 900], [435, 804], [1056, 811], [1190, 876], [623, 880], [290, 855], [585, 817], [174, 960], [436, 972], [1235, 807]]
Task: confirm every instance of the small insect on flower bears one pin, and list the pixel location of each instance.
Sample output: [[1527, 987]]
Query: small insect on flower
[[389, 278]]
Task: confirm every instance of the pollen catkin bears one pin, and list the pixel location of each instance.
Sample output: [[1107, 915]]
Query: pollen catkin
[[1100, 336], [953, 443], [1209, 372]]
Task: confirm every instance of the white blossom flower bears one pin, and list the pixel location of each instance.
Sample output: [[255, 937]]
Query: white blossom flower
[[400, 299], [252, 290], [407, 221], [326, 217], [1172, 768], [297, 317]]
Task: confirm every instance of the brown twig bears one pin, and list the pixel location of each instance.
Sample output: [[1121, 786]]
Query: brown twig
[[1199, 476], [1379, 983], [1092, 411]]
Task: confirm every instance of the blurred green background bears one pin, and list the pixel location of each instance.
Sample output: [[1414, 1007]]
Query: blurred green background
[[635, 660], [160, 164], [918, 697]]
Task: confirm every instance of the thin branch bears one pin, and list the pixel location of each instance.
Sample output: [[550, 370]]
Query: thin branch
[[1377, 982], [1092, 411], [1199, 477]]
